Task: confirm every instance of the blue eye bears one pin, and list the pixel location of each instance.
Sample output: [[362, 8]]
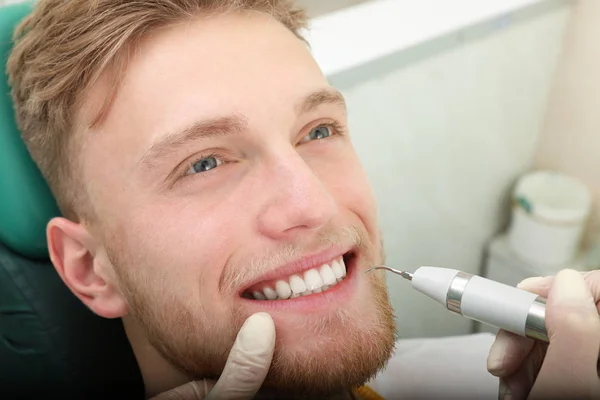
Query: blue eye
[[320, 132], [204, 164]]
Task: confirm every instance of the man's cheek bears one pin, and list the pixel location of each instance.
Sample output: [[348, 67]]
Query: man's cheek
[[356, 179], [358, 195]]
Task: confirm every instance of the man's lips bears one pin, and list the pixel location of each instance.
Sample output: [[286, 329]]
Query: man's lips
[[304, 276], [327, 301]]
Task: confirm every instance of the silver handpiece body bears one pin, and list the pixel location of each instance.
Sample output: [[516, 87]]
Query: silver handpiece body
[[483, 300]]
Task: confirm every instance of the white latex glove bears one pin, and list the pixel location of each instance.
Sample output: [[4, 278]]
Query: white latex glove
[[245, 370], [566, 368]]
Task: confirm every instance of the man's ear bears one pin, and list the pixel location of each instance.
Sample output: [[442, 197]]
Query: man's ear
[[75, 256]]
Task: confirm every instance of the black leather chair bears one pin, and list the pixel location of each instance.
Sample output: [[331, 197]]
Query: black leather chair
[[51, 345]]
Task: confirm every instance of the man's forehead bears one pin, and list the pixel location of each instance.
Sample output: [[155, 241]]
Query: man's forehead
[[206, 50]]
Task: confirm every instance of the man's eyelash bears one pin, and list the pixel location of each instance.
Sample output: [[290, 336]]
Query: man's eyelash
[[201, 157], [336, 127]]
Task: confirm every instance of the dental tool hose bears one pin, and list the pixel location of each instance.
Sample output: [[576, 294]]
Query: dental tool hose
[[480, 299]]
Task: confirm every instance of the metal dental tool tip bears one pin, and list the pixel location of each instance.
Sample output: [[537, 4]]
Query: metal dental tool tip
[[404, 274]]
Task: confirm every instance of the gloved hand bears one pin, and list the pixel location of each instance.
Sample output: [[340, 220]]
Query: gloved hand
[[245, 370], [567, 367]]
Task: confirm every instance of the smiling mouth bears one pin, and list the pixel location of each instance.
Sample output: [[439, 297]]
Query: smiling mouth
[[311, 281]]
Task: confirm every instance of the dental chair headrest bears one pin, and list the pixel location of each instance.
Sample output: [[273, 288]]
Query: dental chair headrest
[[26, 204], [51, 344]]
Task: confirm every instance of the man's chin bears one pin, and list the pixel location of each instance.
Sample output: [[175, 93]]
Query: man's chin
[[326, 373], [344, 355]]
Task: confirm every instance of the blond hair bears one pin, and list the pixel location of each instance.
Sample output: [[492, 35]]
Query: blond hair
[[63, 47]]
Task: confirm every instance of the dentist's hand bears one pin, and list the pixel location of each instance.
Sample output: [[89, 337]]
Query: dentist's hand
[[245, 370], [567, 367]]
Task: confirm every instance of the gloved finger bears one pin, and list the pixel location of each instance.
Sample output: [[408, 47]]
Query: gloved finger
[[519, 384], [569, 369], [508, 353], [503, 390], [189, 391], [509, 350], [541, 285], [249, 360]]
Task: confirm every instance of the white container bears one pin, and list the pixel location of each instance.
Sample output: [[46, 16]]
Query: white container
[[550, 211]]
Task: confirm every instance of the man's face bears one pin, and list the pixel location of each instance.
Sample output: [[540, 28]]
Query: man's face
[[223, 177]]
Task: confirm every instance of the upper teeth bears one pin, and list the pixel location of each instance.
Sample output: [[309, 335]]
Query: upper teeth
[[314, 280]]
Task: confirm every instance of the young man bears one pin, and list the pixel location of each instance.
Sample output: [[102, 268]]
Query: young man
[[205, 172], [204, 168]]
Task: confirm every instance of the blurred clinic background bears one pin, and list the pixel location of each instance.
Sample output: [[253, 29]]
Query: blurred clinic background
[[478, 123]]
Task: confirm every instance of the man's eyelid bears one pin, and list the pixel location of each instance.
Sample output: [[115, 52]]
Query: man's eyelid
[[331, 123], [195, 160], [179, 171]]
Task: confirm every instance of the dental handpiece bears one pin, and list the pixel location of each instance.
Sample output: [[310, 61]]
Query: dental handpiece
[[481, 299]]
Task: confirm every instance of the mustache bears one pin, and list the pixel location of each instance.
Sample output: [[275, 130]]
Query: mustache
[[238, 273]]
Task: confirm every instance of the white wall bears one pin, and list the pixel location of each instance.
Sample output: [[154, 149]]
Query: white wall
[[571, 135], [443, 136], [320, 7]]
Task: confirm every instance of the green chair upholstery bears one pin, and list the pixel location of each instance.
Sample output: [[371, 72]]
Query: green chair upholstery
[[51, 345]]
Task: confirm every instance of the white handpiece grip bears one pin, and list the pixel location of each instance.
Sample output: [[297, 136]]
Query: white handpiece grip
[[484, 300], [497, 304]]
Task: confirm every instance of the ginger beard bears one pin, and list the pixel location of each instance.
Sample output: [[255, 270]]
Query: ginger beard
[[316, 356]]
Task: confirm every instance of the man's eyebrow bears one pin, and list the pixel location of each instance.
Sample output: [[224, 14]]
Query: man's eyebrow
[[323, 96], [209, 128], [229, 125]]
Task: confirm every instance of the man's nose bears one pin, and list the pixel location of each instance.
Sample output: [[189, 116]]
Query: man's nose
[[296, 199]]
